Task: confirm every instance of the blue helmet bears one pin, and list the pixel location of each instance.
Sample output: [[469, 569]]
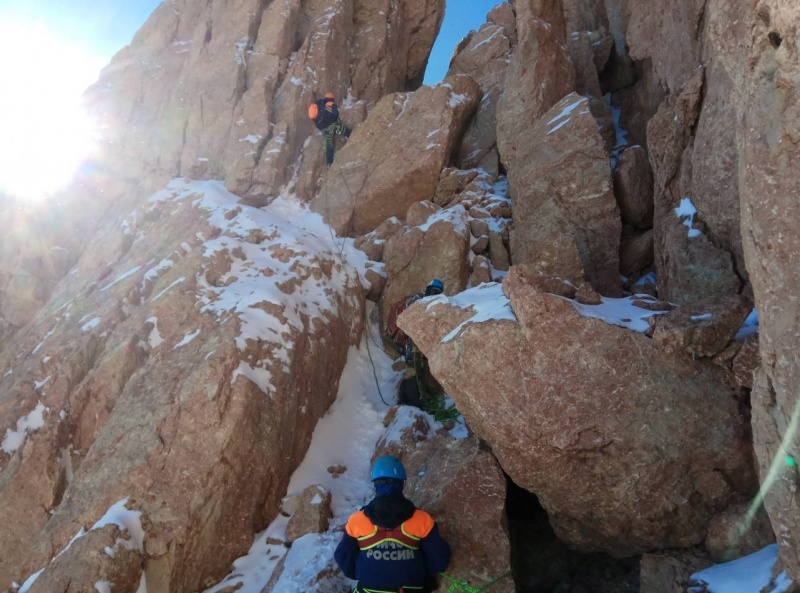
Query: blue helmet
[[388, 466], [435, 287]]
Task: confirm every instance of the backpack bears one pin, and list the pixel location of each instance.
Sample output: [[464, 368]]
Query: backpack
[[323, 112], [393, 332]]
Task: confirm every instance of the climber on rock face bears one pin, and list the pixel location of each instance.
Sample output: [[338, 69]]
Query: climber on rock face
[[401, 341], [325, 115], [390, 545]]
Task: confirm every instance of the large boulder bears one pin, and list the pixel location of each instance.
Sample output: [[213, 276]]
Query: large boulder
[[704, 329], [628, 448], [565, 189], [769, 184], [106, 557], [485, 58], [395, 157], [739, 531], [169, 373], [437, 249], [670, 35], [690, 266], [539, 75], [633, 187], [715, 166]]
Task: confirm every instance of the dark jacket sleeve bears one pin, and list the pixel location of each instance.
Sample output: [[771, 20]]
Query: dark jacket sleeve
[[346, 554], [436, 550]]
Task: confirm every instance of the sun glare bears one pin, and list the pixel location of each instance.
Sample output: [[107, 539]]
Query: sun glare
[[44, 133]]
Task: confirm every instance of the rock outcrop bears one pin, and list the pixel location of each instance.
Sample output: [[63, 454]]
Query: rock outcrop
[[165, 372], [221, 91], [436, 249], [485, 56], [564, 188], [767, 143], [627, 452], [394, 159], [157, 351]]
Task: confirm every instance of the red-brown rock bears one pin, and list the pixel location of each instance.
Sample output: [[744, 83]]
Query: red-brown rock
[[667, 33], [746, 361], [689, 266], [627, 448], [670, 571], [105, 555], [438, 249], [395, 157], [539, 75], [312, 514], [769, 185], [485, 58], [704, 328], [738, 531], [206, 90], [419, 212], [636, 253], [565, 189], [158, 378], [633, 187], [481, 271]]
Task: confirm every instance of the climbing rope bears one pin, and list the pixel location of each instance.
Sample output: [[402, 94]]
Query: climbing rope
[[458, 585], [340, 250], [369, 352]]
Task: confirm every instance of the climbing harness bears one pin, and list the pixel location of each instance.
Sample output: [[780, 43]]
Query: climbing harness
[[458, 585]]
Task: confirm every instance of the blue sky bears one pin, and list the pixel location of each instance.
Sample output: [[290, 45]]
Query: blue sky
[[460, 18], [101, 27]]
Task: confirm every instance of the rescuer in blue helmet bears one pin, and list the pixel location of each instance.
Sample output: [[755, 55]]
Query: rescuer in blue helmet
[[435, 287], [390, 545]]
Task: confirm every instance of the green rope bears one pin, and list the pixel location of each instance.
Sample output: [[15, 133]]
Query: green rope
[[464, 586]]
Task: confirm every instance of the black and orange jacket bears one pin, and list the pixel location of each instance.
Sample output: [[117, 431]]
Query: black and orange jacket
[[390, 544], [323, 112]]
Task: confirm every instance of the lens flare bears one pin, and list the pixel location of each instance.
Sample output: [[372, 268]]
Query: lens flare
[[44, 132]]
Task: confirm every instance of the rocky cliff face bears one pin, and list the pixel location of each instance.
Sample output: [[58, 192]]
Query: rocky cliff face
[[171, 359]]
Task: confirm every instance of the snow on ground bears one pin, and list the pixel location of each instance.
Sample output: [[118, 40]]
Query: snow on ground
[[487, 302], [186, 339], [345, 436], [40, 344], [348, 433], [621, 312], [153, 273], [750, 574], [292, 240], [456, 216]]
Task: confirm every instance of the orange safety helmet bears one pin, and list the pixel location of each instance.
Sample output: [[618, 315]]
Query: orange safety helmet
[[330, 96]]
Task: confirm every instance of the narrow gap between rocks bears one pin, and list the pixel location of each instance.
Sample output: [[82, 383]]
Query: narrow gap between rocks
[[544, 564]]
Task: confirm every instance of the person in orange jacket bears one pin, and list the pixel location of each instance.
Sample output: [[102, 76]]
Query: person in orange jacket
[[390, 546], [325, 115]]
